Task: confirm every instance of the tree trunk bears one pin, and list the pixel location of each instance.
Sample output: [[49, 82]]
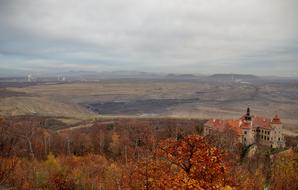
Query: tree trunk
[[30, 148]]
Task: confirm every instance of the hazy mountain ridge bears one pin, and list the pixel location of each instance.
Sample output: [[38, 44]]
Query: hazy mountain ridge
[[126, 74]]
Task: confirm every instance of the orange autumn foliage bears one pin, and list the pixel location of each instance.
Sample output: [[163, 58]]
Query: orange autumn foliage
[[136, 154], [190, 163]]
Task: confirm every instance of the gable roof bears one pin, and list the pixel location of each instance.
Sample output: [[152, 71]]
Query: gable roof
[[238, 124], [276, 120], [221, 125], [261, 122]]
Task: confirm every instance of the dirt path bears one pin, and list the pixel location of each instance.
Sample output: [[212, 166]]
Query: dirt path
[[86, 125]]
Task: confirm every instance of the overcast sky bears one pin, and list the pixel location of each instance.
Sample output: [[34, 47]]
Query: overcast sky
[[183, 36]]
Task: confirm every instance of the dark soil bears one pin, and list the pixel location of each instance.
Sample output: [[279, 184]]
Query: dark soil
[[148, 106]]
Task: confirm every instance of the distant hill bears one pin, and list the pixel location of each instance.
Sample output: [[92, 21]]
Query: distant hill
[[182, 76], [233, 77]]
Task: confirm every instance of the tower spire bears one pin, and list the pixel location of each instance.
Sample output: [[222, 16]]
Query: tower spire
[[248, 116]]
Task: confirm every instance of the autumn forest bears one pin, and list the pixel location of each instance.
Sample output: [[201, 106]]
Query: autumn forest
[[127, 153]]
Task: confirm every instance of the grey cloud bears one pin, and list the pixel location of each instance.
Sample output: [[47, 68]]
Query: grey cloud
[[175, 36]]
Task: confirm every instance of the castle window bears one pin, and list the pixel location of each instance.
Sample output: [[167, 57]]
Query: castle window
[[268, 138], [278, 139], [244, 139], [245, 132]]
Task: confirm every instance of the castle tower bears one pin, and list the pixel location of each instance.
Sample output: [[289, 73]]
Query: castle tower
[[246, 126], [276, 135], [247, 116]]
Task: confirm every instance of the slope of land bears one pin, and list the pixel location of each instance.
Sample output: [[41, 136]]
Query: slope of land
[[195, 98]]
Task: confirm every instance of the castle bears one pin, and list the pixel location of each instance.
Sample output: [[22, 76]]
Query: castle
[[251, 129]]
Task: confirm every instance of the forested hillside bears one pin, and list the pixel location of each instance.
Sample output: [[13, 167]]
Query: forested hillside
[[137, 154]]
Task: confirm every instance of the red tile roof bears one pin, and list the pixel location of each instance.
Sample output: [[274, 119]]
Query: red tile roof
[[256, 122], [238, 124], [220, 125], [245, 125], [276, 120], [262, 122], [234, 125]]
